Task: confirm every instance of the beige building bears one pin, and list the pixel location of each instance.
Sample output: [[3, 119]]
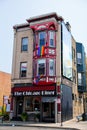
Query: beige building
[[85, 94], [77, 102], [44, 77]]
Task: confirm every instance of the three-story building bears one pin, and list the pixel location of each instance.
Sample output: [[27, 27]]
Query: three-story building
[[43, 75]]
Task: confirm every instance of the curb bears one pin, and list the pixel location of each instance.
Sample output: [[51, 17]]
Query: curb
[[41, 126]]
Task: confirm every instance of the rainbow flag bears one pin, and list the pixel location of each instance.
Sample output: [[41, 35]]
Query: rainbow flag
[[38, 78], [40, 50]]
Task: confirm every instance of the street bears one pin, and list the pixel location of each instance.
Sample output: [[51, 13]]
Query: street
[[28, 128]]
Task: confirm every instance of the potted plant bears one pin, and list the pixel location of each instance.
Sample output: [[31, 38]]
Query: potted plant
[[24, 116], [37, 117]]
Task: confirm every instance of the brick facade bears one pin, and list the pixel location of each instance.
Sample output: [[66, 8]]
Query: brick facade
[[5, 86]]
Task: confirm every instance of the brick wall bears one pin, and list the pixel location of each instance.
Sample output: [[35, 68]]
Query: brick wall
[[5, 85]]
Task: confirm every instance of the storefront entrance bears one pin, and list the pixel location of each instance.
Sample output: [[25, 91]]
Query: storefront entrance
[[19, 106], [48, 111]]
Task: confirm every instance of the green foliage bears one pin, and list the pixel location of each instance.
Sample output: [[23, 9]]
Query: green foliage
[[38, 116], [6, 116], [3, 110], [24, 116]]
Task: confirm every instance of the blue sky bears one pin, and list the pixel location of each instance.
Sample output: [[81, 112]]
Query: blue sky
[[17, 11]]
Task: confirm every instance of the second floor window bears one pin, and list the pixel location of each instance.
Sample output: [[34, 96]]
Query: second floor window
[[79, 79], [23, 69], [24, 44], [51, 67], [41, 67]]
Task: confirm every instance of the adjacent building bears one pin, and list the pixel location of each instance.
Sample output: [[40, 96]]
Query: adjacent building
[[44, 70], [81, 73], [85, 95], [5, 89]]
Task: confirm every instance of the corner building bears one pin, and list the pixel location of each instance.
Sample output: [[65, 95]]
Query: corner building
[[42, 74]]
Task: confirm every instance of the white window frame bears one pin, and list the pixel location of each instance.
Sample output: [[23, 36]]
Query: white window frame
[[24, 44], [52, 36], [39, 37], [79, 79], [21, 68], [51, 72], [79, 58], [38, 62]]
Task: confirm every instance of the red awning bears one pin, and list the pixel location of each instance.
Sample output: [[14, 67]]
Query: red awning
[[35, 88]]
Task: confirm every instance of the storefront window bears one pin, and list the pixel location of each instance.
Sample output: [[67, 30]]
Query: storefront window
[[28, 104], [32, 105], [36, 105]]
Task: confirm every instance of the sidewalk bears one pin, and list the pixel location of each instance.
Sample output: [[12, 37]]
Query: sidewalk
[[72, 124]]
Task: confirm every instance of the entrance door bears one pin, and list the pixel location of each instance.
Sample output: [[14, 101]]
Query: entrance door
[[20, 107], [48, 112]]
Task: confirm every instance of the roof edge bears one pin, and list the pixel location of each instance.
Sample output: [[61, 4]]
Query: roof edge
[[17, 26], [41, 17]]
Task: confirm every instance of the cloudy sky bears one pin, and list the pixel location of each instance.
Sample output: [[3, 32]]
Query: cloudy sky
[[17, 11]]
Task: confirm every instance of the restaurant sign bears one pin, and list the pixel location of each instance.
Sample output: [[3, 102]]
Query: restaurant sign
[[35, 93]]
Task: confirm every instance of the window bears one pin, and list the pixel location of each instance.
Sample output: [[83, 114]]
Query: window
[[46, 107], [41, 67], [28, 104], [32, 105], [51, 67], [79, 58], [24, 44], [66, 40], [51, 39], [36, 105], [42, 37], [74, 76], [23, 69], [79, 79]]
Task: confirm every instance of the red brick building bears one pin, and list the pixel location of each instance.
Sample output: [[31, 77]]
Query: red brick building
[[5, 88]]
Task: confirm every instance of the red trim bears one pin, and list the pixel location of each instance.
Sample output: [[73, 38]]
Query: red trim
[[36, 88], [47, 25]]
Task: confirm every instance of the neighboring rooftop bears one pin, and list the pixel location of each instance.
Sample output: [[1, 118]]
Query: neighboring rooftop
[[21, 25]]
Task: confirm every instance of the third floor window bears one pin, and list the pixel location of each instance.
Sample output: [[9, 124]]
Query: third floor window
[[79, 58], [24, 44], [42, 38], [51, 38]]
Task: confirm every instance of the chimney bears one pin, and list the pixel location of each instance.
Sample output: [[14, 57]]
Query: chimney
[[68, 26]]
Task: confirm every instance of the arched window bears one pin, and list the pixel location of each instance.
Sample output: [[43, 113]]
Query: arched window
[[36, 105]]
